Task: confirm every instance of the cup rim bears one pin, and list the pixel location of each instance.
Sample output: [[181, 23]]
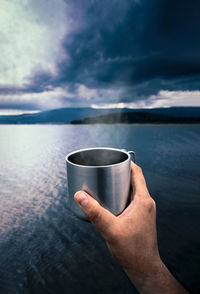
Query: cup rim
[[98, 166]]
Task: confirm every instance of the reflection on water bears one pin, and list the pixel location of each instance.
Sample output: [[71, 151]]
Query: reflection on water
[[45, 249]]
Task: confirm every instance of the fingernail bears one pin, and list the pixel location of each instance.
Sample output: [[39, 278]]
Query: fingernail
[[81, 198]]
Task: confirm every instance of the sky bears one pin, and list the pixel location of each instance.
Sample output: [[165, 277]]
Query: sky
[[98, 53]]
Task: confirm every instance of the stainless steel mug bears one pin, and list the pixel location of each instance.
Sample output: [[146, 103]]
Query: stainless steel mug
[[102, 172]]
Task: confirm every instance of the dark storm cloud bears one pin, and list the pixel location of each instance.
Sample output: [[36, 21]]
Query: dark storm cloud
[[134, 47], [19, 106], [37, 83], [129, 42]]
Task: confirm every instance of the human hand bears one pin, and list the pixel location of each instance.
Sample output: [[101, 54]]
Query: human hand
[[132, 238]]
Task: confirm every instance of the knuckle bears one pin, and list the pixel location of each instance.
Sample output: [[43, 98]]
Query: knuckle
[[150, 204], [154, 203]]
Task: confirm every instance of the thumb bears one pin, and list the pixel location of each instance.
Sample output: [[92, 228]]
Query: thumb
[[101, 218]]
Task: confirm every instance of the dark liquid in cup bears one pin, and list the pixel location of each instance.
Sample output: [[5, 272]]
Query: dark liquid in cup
[[98, 157]]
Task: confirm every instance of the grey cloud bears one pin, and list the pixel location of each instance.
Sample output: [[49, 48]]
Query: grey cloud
[[19, 106], [135, 48], [150, 29]]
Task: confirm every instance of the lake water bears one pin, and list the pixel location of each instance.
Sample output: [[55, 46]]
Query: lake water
[[45, 249]]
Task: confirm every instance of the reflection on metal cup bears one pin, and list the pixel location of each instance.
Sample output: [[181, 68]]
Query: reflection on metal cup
[[102, 172]]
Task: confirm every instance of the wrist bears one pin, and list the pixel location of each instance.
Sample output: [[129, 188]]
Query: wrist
[[155, 279], [146, 270]]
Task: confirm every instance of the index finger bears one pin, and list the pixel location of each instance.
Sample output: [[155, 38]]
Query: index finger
[[138, 181]]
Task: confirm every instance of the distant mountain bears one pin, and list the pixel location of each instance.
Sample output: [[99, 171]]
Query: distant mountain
[[141, 117], [114, 115], [55, 116]]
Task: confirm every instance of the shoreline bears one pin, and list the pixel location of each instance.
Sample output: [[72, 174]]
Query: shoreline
[[104, 124]]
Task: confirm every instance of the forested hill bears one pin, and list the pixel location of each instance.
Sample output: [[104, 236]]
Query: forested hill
[[114, 115]]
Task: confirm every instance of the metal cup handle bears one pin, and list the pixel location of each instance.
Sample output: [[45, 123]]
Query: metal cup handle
[[133, 154]]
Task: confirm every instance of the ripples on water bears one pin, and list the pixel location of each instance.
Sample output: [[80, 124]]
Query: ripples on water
[[45, 249]]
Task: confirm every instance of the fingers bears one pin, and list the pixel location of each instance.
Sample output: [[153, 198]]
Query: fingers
[[101, 218], [141, 197], [138, 181]]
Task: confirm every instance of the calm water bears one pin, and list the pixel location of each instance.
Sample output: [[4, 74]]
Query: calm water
[[45, 249]]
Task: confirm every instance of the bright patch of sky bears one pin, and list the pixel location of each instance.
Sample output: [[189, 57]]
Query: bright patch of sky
[[162, 99], [31, 37]]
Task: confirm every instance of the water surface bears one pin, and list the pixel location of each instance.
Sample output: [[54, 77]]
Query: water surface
[[45, 249]]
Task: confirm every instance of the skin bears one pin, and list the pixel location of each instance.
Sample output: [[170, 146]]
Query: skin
[[132, 237]]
